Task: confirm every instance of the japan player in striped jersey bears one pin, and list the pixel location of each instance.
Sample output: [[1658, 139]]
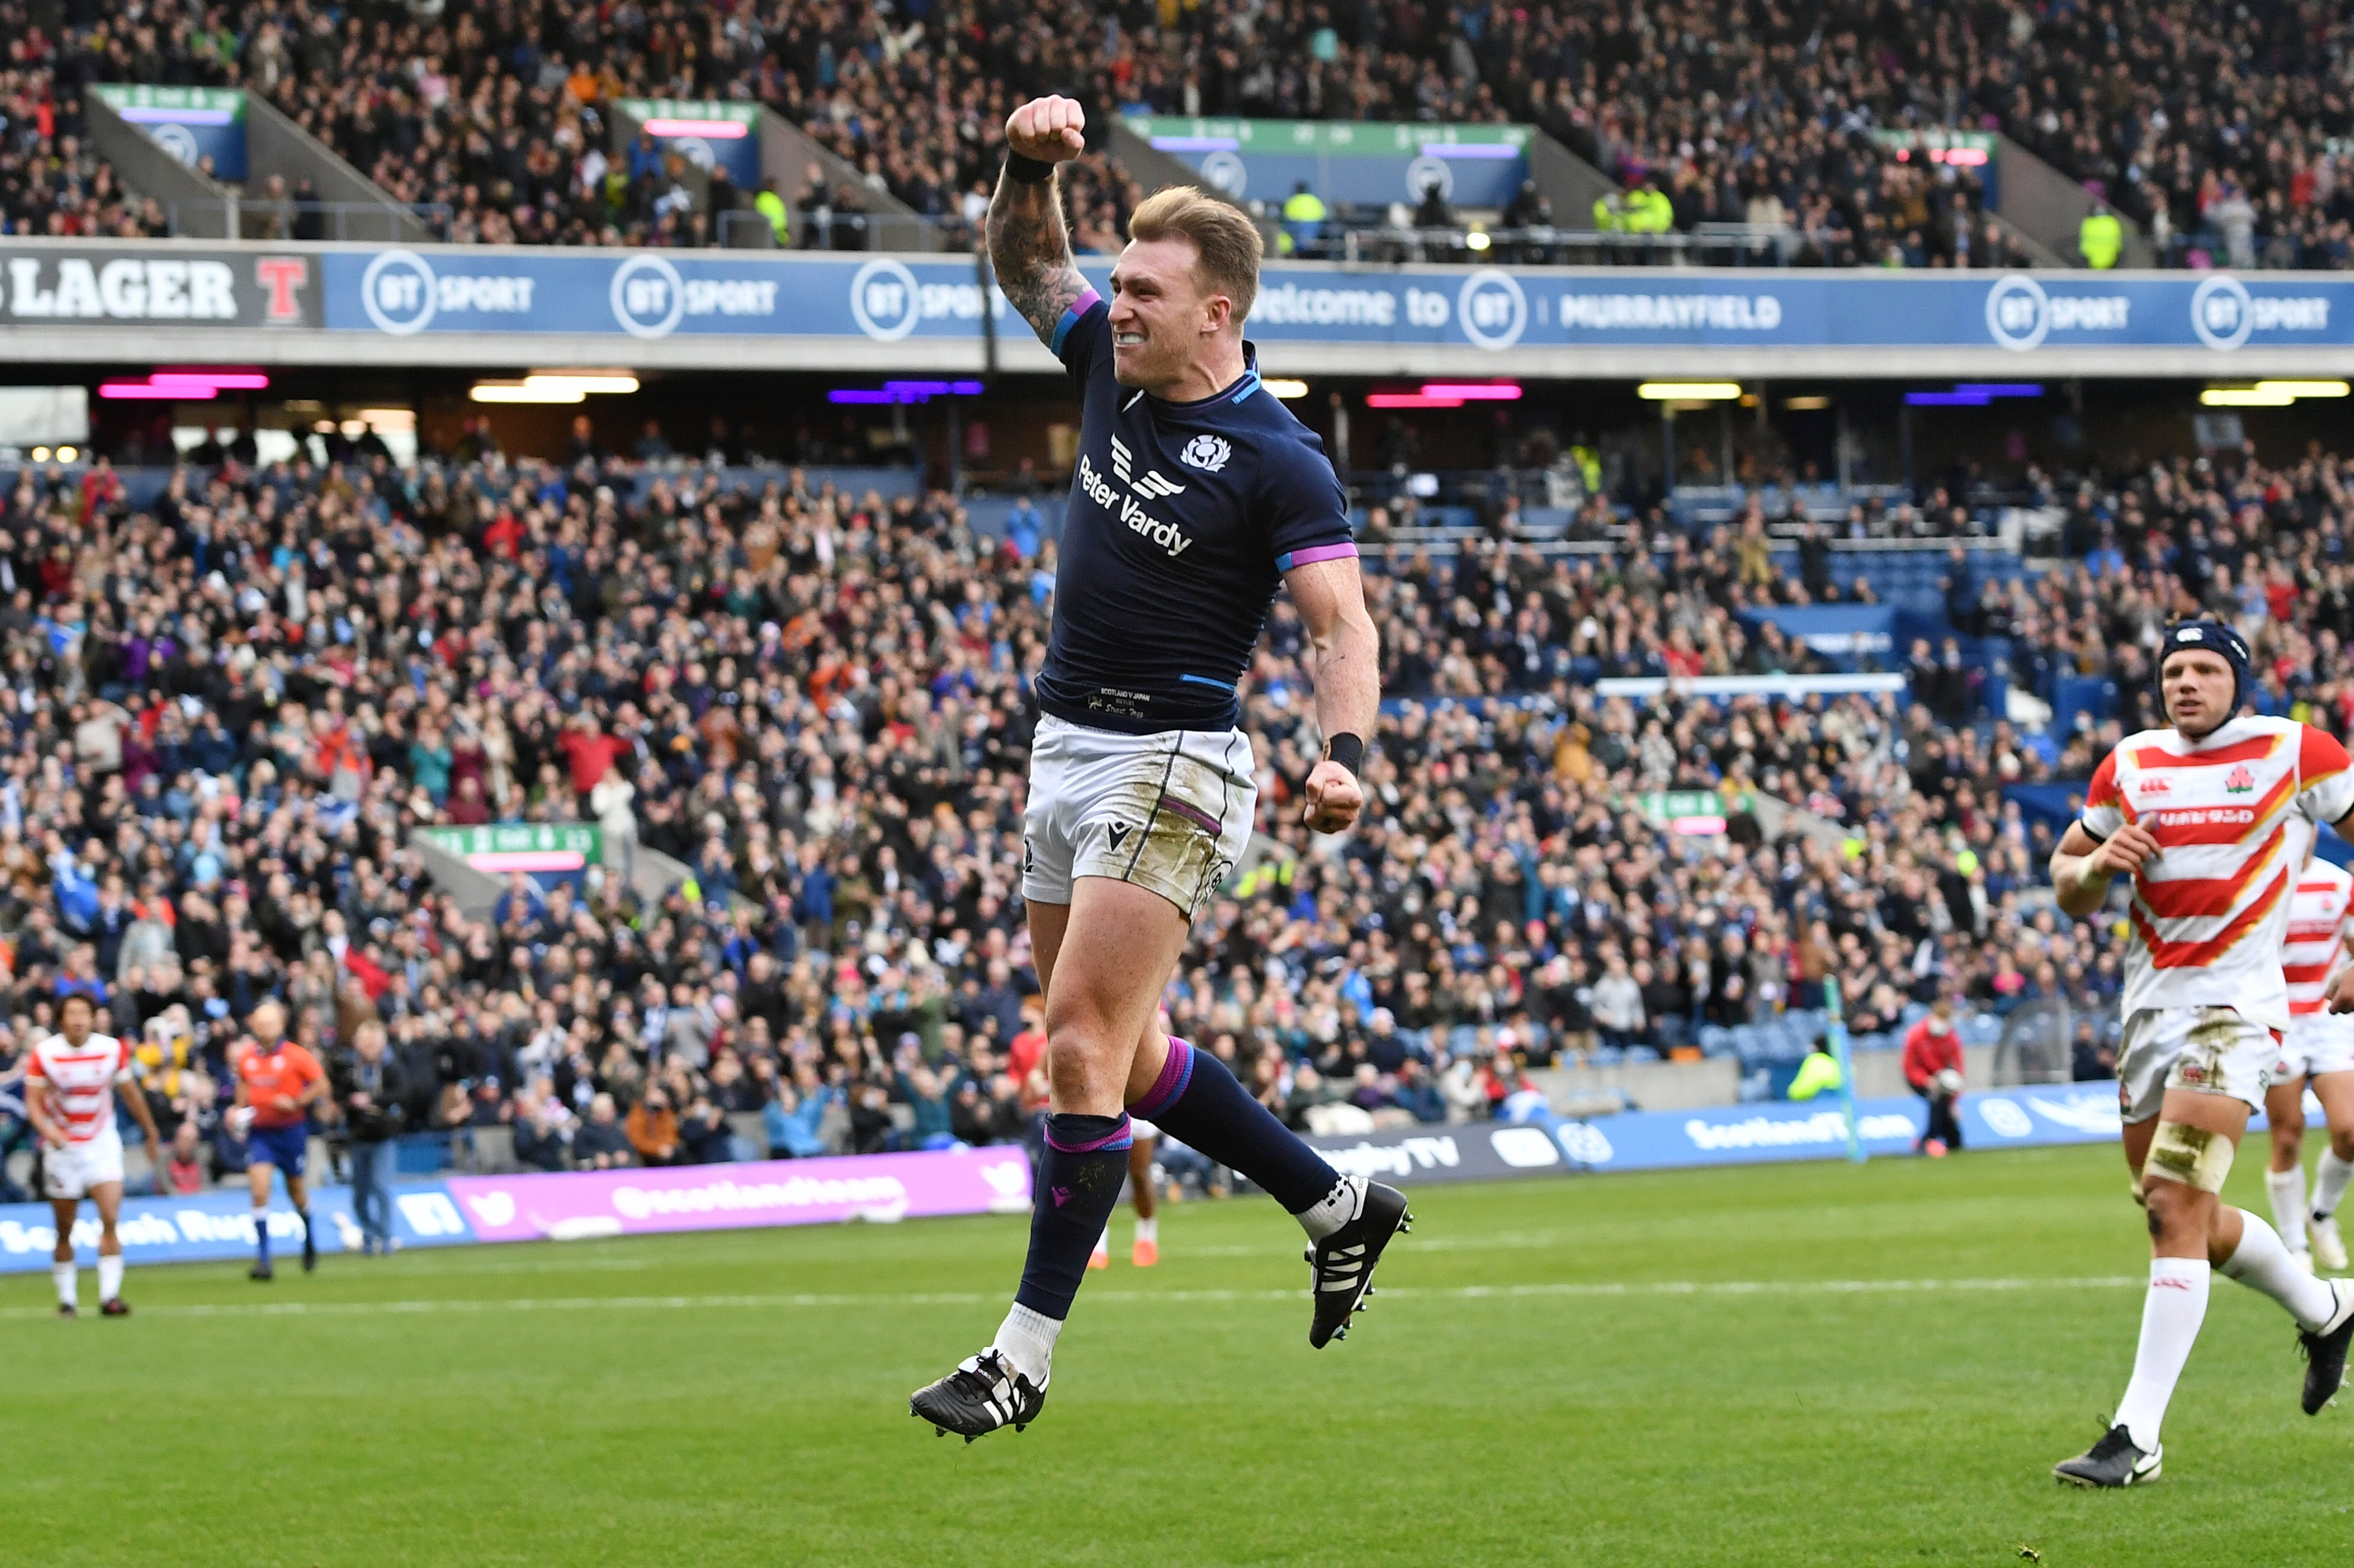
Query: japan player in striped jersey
[[2316, 1048], [2208, 818], [70, 1086]]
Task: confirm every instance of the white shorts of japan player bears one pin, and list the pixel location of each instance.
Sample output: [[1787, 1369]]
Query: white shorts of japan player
[[2206, 1050], [1171, 812], [73, 1170], [2317, 1043]]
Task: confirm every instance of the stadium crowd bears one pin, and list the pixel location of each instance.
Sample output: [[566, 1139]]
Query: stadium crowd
[[1757, 115], [228, 710], [50, 180]]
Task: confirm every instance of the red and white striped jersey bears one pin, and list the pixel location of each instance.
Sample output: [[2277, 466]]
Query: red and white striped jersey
[[2320, 919], [81, 1081], [2232, 812]]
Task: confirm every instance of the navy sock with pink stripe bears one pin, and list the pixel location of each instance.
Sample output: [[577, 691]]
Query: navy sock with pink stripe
[[1078, 1186], [1199, 1103]]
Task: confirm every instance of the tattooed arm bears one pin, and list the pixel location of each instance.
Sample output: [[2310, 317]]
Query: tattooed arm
[[1028, 245]]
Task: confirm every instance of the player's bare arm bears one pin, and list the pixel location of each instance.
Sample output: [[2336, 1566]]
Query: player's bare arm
[[2341, 984], [36, 1111], [1028, 244], [131, 1094], [1344, 655], [2084, 866]]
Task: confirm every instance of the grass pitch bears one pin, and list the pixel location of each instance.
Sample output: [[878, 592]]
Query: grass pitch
[[1798, 1363]]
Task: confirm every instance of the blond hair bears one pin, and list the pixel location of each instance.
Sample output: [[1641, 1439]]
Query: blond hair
[[1225, 242]]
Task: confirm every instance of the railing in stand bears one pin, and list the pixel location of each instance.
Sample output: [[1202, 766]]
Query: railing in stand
[[267, 217]]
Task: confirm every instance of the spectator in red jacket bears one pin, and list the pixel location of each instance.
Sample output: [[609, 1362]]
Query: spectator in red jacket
[[1933, 1065], [589, 754]]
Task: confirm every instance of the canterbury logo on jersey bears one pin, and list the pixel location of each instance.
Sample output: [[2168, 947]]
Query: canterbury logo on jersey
[[1167, 535], [1152, 486]]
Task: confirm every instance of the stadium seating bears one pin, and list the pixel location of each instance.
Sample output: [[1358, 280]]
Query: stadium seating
[[866, 683], [1785, 121]]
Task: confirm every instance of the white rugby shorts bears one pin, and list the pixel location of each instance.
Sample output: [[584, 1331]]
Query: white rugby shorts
[[73, 1170], [2206, 1050], [2317, 1043], [1171, 812]]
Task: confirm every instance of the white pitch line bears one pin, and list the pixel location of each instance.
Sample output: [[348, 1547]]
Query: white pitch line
[[1602, 1289]]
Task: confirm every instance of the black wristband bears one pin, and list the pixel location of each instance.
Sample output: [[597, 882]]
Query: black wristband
[[1348, 750], [1027, 171]]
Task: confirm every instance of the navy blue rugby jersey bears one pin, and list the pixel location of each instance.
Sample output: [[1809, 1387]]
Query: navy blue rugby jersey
[[1183, 519]]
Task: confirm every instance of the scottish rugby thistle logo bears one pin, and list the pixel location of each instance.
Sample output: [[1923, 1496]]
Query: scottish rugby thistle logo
[[1208, 453]]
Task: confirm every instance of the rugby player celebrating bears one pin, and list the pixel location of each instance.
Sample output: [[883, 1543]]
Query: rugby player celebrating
[[2210, 819], [1196, 495]]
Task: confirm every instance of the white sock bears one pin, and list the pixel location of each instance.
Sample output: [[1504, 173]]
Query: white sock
[[1103, 1241], [110, 1276], [1027, 1340], [63, 1272], [2287, 1189], [1148, 1230], [2171, 1315], [1335, 1209], [2261, 1262], [2329, 1183]]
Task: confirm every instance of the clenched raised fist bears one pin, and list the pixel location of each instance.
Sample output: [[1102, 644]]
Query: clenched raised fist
[[1051, 129]]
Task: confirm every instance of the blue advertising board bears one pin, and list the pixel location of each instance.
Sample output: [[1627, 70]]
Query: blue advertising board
[[218, 1223], [1754, 1134], [650, 295]]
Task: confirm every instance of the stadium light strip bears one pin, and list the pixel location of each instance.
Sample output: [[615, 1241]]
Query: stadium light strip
[[1409, 400], [583, 380], [1497, 149], [554, 387], [1689, 391], [226, 381], [178, 116], [1284, 387], [148, 392], [524, 392], [1474, 391], [2000, 388], [710, 130], [2270, 393], [904, 392], [1196, 145], [183, 386]]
